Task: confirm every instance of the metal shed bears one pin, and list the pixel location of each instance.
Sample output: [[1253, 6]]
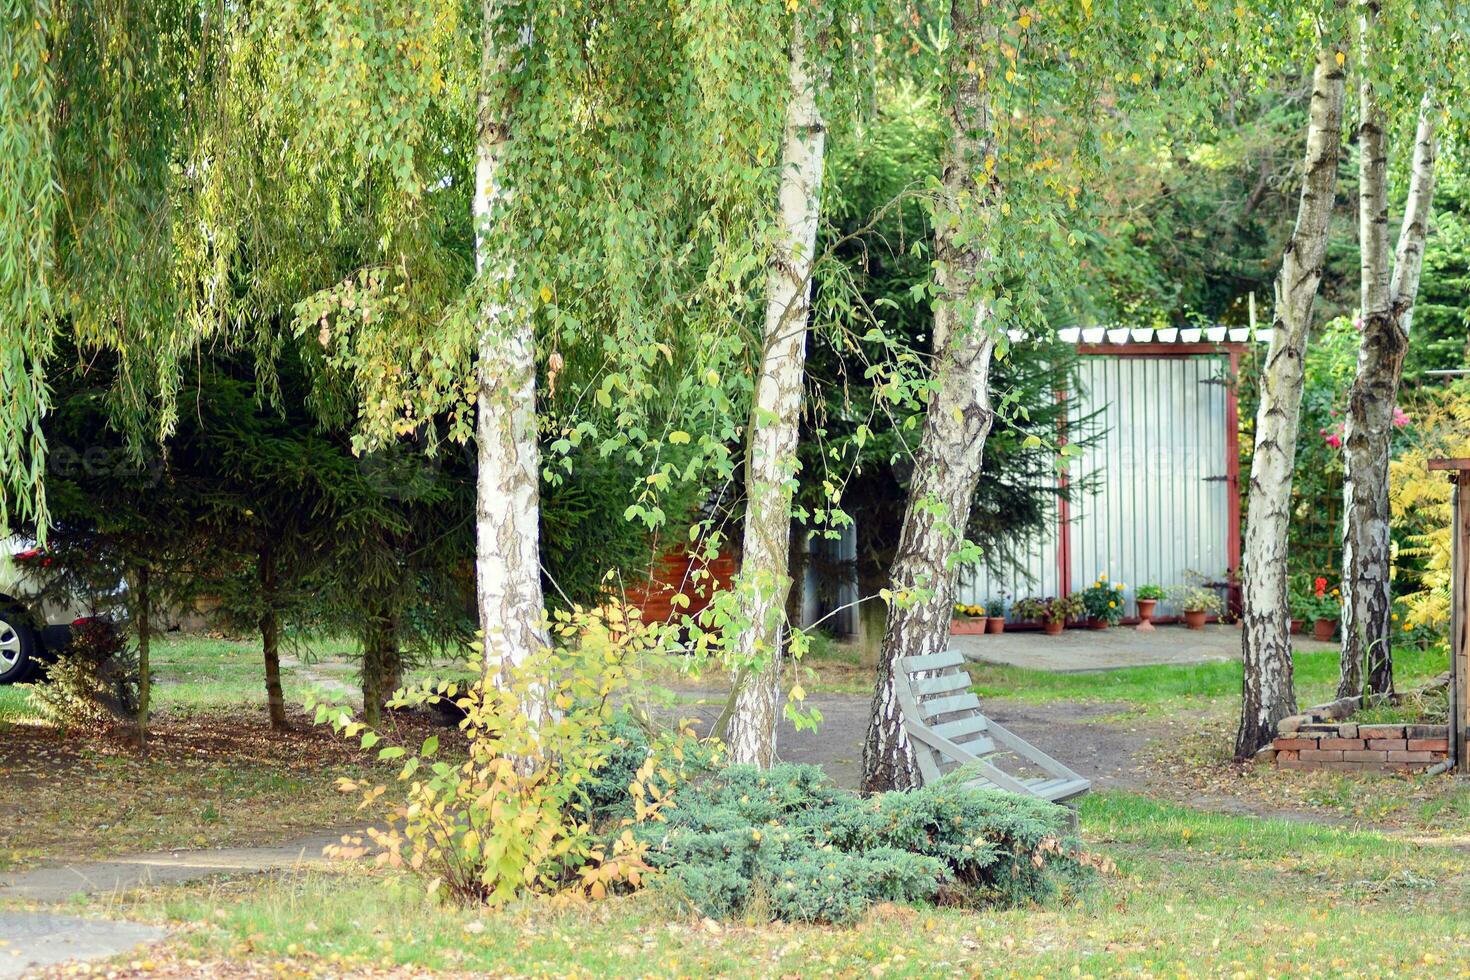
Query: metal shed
[[1166, 501]]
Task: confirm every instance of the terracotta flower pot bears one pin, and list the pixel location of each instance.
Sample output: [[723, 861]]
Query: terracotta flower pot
[[1323, 629], [1146, 609], [995, 624], [1298, 626], [1053, 627], [1194, 619], [966, 627], [1096, 623]]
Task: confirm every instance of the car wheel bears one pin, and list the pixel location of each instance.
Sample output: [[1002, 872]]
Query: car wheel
[[17, 648]]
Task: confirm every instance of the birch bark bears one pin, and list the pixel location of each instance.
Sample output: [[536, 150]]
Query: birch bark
[[947, 464], [1267, 693], [1388, 306], [770, 467], [507, 505]]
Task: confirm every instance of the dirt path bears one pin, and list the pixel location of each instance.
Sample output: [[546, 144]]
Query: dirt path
[[1108, 753]]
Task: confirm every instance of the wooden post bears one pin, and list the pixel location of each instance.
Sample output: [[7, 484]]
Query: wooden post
[[1459, 472]]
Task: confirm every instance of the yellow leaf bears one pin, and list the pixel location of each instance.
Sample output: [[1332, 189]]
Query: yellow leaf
[[1341, 58], [678, 438], [545, 294]]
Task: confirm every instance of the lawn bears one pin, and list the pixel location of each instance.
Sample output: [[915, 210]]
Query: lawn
[[1174, 688], [214, 774], [1359, 876], [1195, 894]]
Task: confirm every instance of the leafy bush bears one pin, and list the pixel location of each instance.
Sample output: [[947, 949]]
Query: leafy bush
[[516, 817], [1196, 598], [1150, 591], [93, 685], [787, 844], [1050, 609]]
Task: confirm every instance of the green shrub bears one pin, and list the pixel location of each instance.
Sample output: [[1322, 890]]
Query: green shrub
[[93, 685], [788, 844]]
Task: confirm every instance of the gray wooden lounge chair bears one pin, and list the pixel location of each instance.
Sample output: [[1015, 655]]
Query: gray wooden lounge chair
[[947, 729]]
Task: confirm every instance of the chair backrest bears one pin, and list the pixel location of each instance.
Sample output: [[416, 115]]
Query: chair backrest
[[938, 697]]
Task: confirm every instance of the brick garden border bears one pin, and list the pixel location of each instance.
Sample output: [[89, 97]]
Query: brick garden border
[[1321, 738]]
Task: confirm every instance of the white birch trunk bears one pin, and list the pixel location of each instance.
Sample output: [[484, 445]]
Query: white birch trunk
[[947, 465], [1267, 693], [507, 506], [770, 465], [1388, 304]]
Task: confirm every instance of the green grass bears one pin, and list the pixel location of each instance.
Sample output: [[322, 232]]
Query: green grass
[[1195, 894], [202, 674], [1175, 686]]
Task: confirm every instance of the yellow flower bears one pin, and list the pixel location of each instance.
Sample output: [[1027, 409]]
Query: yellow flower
[[1112, 604], [1335, 592], [1102, 578], [1408, 628], [1120, 586]]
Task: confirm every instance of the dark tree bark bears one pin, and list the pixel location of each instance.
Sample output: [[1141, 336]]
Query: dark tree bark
[[270, 636]]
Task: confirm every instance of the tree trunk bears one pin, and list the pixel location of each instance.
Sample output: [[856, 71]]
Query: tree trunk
[[947, 465], [145, 630], [1267, 692], [270, 638], [507, 507], [382, 668], [770, 462], [1388, 305]]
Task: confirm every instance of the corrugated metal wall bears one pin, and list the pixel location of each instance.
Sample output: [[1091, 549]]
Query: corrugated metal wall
[[1155, 514]]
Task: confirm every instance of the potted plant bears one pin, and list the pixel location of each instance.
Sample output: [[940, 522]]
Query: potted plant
[[1069, 335], [968, 620], [1240, 335], [1051, 613], [1141, 335], [1215, 334], [995, 615], [1190, 335], [1299, 602], [1103, 603], [1196, 601], [1118, 335], [1147, 597], [1093, 335], [1325, 609], [1167, 334]]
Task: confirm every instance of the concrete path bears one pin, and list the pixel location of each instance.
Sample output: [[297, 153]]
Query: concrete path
[[29, 940], [1120, 646], [117, 875]]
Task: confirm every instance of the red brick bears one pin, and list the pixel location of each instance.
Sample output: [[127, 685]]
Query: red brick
[[1343, 743], [1293, 763], [1286, 754], [1380, 731], [1428, 745], [1388, 744], [1413, 757], [1364, 755], [1292, 744], [1321, 755]]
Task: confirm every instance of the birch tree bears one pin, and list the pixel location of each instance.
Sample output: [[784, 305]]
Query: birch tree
[[771, 437], [1267, 690], [947, 464], [1388, 295], [507, 511]]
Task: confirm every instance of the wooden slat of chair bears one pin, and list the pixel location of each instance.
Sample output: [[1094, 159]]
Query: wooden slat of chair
[[968, 737]]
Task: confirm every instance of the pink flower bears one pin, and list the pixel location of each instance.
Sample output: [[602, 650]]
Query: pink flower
[[1335, 441], [1400, 418]]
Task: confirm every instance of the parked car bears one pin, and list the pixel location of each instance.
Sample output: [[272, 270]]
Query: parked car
[[35, 620]]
